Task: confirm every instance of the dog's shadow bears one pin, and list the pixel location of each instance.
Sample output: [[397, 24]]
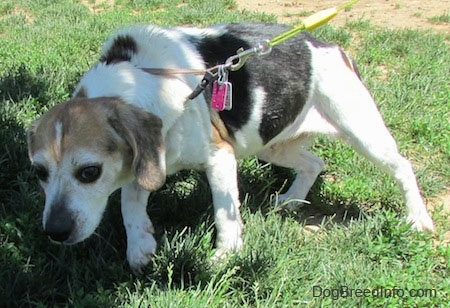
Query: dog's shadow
[[319, 210], [182, 213], [185, 200]]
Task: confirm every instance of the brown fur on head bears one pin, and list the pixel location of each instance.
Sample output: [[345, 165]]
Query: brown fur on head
[[84, 149]]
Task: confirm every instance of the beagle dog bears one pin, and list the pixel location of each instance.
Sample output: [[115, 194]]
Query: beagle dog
[[128, 128]]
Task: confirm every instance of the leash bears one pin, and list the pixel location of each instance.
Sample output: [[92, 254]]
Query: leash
[[314, 21], [172, 71], [238, 60]]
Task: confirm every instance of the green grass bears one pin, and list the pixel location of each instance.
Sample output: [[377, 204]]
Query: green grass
[[45, 46], [440, 19]]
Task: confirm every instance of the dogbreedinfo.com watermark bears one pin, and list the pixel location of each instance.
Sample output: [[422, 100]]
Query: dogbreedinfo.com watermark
[[347, 292]]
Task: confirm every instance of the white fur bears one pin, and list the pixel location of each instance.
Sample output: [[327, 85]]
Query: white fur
[[248, 138], [141, 243], [86, 203], [222, 174]]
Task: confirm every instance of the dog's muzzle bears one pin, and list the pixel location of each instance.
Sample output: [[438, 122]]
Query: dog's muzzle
[[60, 224]]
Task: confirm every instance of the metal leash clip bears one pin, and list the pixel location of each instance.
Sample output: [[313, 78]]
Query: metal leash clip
[[207, 78], [241, 56]]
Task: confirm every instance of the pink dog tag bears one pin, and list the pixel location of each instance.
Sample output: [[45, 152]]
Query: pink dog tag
[[221, 96]]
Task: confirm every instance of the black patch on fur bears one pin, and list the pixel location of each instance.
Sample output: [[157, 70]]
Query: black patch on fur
[[216, 50], [122, 49], [284, 75]]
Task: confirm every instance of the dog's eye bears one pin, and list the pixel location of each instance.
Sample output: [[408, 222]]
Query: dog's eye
[[41, 172], [88, 174]]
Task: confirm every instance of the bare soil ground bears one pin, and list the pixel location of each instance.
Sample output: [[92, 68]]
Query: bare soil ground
[[413, 14]]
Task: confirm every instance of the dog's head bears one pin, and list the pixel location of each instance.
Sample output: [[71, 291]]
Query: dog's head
[[85, 149]]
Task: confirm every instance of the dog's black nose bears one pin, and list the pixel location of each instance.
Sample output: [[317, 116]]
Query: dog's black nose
[[59, 233], [59, 225]]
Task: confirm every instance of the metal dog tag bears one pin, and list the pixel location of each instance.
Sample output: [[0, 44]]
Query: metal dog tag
[[221, 96]]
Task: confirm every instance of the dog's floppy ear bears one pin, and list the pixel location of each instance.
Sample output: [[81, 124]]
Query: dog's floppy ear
[[142, 132], [31, 132]]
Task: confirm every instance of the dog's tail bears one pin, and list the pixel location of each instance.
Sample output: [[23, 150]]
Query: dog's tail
[[350, 63]]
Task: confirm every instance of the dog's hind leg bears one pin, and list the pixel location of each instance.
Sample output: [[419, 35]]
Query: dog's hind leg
[[294, 154], [383, 152], [349, 107]]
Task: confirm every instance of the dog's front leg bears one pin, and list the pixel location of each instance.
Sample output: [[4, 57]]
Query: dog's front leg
[[222, 177], [141, 244]]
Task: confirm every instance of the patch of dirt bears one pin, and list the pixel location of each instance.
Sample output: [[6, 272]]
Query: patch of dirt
[[441, 206], [29, 18], [414, 14], [443, 199], [98, 6]]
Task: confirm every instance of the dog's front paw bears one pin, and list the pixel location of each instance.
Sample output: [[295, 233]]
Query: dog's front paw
[[140, 250], [222, 253], [421, 222], [229, 241]]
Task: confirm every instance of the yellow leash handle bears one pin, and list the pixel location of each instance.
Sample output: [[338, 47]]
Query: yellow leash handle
[[311, 22]]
